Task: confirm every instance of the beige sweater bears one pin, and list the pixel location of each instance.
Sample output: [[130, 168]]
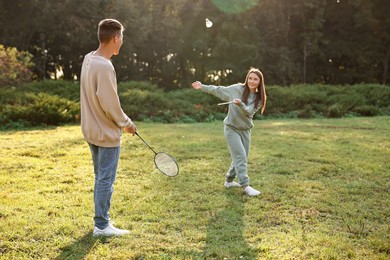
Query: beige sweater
[[102, 117]]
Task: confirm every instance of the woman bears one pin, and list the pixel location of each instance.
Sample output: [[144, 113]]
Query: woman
[[246, 99]]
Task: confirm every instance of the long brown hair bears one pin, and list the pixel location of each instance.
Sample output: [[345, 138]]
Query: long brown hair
[[261, 95]]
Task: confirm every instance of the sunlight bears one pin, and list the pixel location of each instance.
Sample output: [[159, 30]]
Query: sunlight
[[58, 74], [217, 75]]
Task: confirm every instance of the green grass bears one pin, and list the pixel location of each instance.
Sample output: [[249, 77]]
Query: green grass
[[325, 194]]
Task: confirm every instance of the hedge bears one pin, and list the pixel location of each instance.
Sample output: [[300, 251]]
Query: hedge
[[57, 102]]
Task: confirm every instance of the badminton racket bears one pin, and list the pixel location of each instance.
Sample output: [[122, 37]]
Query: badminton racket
[[164, 162], [225, 103]]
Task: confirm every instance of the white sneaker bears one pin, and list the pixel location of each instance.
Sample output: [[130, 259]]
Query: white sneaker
[[231, 184], [110, 230], [251, 191]]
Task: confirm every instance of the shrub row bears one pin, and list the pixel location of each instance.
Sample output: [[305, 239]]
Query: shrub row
[[306, 101], [145, 102], [57, 102]]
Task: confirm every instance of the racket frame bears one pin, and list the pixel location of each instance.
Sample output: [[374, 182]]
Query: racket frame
[[173, 160], [155, 154]]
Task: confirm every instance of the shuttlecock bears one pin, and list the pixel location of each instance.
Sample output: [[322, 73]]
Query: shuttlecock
[[208, 23]]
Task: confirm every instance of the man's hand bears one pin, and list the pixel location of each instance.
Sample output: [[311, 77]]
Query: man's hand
[[131, 129]]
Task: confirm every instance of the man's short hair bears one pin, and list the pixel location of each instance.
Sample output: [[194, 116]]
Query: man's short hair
[[108, 28]]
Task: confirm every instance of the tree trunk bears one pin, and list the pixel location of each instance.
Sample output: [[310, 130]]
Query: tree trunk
[[386, 66]]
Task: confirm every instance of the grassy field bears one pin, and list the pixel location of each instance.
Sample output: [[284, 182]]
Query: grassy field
[[325, 194]]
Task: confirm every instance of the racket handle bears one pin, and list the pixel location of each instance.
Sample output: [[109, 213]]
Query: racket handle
[[145, 142], [225, 103]]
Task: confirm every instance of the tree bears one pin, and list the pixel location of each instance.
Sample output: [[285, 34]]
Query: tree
[[167, 42], [14, 66], [357, 42], [377, 22]]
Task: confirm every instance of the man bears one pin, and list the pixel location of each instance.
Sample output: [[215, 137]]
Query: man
[[102, 120]]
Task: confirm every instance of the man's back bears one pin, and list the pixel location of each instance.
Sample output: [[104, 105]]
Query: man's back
[[99, 102]]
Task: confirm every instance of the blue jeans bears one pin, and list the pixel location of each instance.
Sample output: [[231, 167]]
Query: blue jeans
[[105, 164]]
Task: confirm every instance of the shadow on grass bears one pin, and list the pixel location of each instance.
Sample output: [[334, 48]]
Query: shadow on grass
[[80, 248], [225, 231]]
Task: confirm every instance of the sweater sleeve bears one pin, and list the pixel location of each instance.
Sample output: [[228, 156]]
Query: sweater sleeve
[[249, 110], [224, 93], [109, 99]]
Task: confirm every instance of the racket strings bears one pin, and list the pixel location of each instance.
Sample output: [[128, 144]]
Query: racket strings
[[166, 164]]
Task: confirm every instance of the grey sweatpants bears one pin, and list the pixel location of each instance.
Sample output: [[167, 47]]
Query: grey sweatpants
[[238, 142]]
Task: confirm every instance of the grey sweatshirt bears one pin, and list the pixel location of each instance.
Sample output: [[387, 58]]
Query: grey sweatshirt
[[239, 116], [102, 117]]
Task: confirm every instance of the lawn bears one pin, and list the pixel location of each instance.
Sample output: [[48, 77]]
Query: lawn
[[325, 193]]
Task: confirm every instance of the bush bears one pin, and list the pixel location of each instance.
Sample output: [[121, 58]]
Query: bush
[[57, 102], [39, 103], [69, 90], [307, 112], [327, 101], [139, 103], [366, 110], [146, 102], [40, 109], [336, 111], [14, 66]]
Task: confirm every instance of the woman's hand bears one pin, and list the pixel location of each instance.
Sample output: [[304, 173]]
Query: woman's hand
[[197, 85], [236, 101]]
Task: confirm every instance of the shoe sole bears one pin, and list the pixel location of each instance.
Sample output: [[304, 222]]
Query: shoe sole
[[109, 235], [231, 186], [252, 195]]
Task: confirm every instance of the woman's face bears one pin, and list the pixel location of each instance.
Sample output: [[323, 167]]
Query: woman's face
[[253, 82]]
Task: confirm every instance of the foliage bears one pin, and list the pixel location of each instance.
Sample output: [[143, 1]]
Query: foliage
[[324, 186], [39, 103], [14, 66], [65, 89], [146, 102], [167, 42], [328, 101], [39, 109], [57, 102]]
